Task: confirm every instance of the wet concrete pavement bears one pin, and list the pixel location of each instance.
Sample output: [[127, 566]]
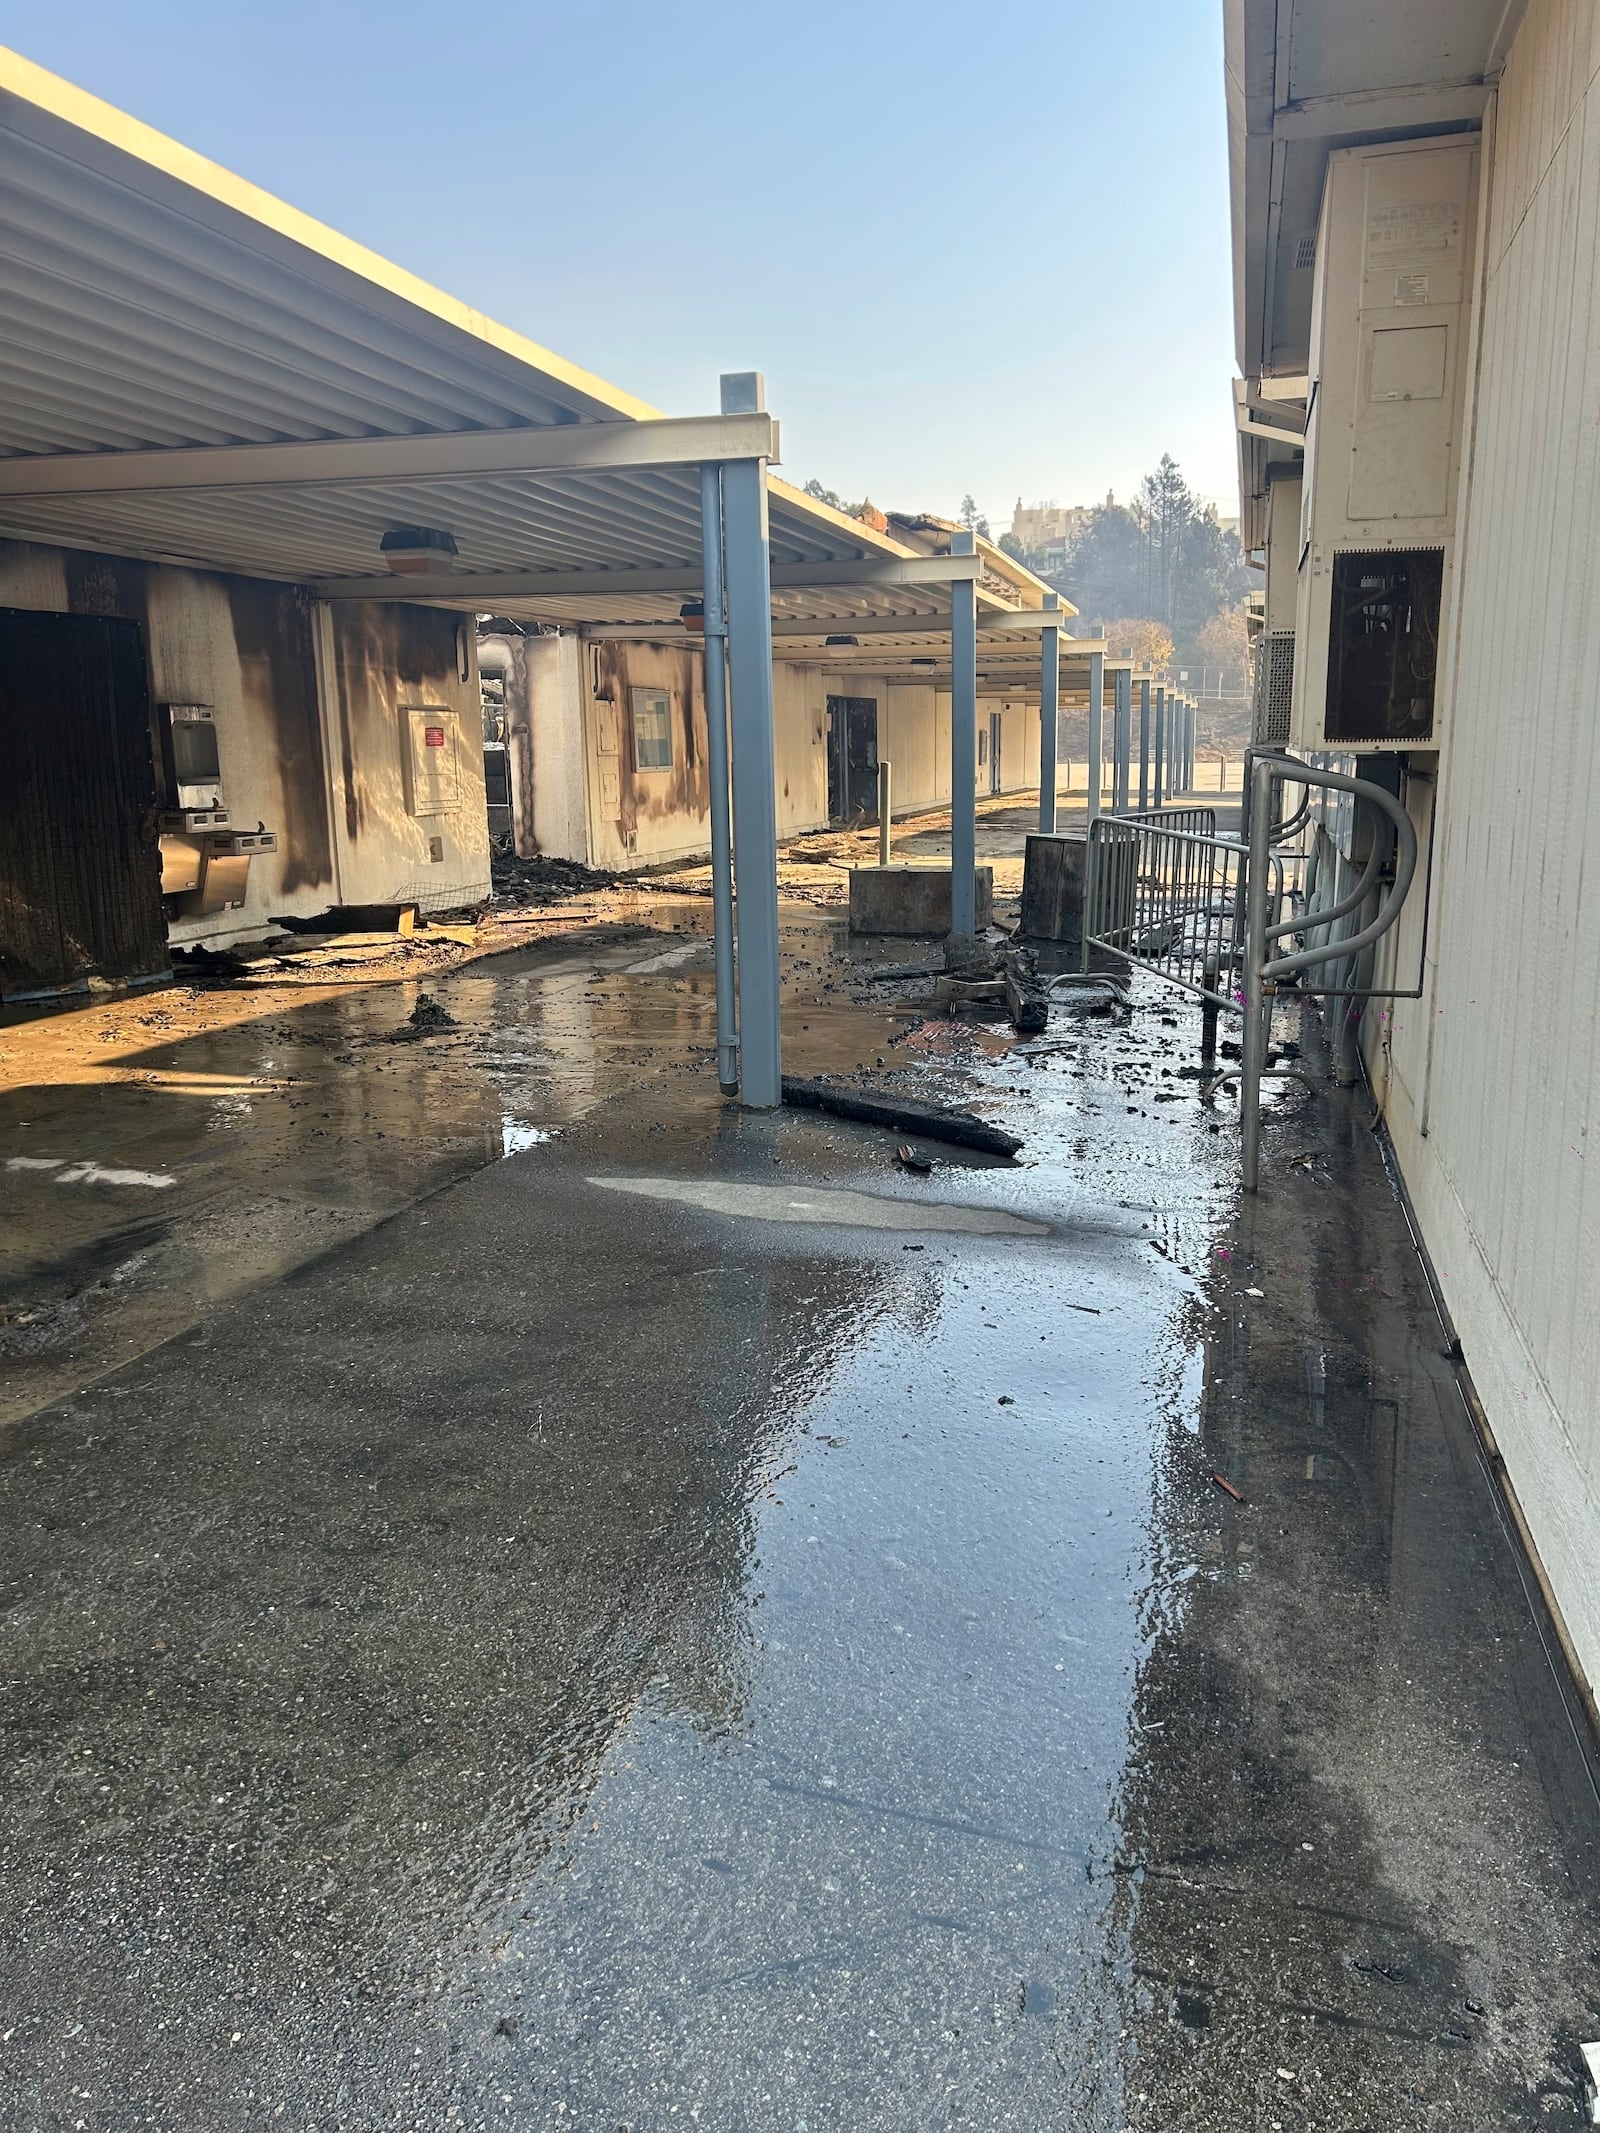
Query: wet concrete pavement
[[587, 1652]]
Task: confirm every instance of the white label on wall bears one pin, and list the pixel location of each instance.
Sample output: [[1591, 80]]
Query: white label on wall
[[1408, 234]]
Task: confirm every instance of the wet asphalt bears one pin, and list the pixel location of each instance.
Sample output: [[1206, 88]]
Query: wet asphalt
[[608, 1648]]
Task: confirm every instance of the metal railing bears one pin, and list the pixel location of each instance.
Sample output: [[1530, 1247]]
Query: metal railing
[[1199, 821], [1207, 913], [1167, 900]]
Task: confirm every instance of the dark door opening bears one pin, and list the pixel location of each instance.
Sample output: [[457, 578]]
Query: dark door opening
[[995, 726], [80, 858], [852, 758]]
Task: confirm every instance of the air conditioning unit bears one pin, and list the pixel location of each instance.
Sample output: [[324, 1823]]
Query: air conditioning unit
[[1269, 722], [1391, 311]]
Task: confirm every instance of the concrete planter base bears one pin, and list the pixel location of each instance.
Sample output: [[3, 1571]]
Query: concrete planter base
[[911, 899]]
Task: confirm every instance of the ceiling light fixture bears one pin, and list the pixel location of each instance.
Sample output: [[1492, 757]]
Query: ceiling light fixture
[[412, 551]]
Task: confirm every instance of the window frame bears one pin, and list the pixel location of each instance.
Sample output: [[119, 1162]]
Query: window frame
[[647, 696]]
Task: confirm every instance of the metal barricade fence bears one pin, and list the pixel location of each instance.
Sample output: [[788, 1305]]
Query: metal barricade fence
[[1169, 900], [1210, 913], [1198, 821]]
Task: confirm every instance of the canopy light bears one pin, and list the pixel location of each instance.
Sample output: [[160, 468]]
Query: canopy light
[[838, 646], [692, 614], [923, 661], [411, 551]]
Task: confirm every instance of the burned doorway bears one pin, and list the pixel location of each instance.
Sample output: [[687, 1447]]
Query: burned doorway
[[852, 758], [80, 861]]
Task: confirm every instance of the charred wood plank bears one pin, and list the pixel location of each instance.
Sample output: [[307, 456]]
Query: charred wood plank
[[932, 1122]]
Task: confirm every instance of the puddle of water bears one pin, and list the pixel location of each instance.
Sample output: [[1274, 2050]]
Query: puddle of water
[[669, 959], [516, 1135], [89, 1173], [824, 1204]]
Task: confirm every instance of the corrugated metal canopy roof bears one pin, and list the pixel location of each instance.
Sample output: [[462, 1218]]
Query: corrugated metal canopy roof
[[154, 302], [153, 299]]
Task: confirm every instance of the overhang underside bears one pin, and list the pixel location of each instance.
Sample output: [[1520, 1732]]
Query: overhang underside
[[1306, 77], [193, 373], [155, 304], [153, 301], [568, 523]]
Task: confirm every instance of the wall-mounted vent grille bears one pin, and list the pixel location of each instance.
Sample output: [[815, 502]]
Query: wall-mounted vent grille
[[1269, 726], [1305, 253]]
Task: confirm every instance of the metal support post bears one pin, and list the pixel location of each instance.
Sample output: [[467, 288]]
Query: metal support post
[[716, 662], [1121, 741], [1097, 717], [885, 811], [963, 746], [1256, 999], [1158, 789], [1144, 744], [1174, 747], [1188, 744], [755, 814], [1049, 719]]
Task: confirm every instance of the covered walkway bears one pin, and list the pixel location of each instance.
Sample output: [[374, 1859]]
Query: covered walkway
[[414, 1718]]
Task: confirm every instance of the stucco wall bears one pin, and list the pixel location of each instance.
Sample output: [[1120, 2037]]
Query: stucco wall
[[249, 649], [641, 818], [1493, 1088], [387, 660], [545, 743], [633, 818]]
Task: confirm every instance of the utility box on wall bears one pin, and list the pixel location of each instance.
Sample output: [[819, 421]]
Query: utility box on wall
[[1391, 312], [432, 761]]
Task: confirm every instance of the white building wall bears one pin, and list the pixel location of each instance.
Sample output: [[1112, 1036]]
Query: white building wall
[[311, 746], [1494, 1098]]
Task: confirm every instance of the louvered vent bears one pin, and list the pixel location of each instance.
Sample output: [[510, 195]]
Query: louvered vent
[[1269, 726], [1305, 252]]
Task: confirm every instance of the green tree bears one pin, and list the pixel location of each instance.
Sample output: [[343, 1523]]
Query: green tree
[[972, 518]]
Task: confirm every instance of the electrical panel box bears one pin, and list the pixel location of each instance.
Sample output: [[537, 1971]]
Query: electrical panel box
[[432, 761], [1390, 320]]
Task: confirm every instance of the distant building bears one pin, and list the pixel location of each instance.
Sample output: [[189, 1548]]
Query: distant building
[[1045, 532]]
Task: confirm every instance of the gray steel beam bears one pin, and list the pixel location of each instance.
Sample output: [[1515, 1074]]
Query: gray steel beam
[[1097, 717], [963, 748], [1158, 785], [1049, 719], [1144, 743], [755, 816], [655, 581], [1121, 740], [567, 447], [716, 685]]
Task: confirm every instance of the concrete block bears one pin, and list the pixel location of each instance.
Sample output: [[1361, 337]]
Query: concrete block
[[1053, 870], [906, 899]]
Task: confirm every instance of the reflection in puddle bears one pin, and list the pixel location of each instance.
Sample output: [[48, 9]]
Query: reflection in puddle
[[516, 1135], [815, 1203]]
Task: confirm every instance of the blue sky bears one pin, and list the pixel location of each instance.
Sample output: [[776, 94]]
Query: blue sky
[[970, 250]]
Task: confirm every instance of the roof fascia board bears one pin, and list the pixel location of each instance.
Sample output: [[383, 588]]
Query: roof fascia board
[[838, 522]]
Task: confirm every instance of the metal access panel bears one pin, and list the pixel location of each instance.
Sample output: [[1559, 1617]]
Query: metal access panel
[[1383, 646], [432, 761], [1391, 314]]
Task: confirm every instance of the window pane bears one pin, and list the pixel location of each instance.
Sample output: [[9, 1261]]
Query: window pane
[[652, 729]]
